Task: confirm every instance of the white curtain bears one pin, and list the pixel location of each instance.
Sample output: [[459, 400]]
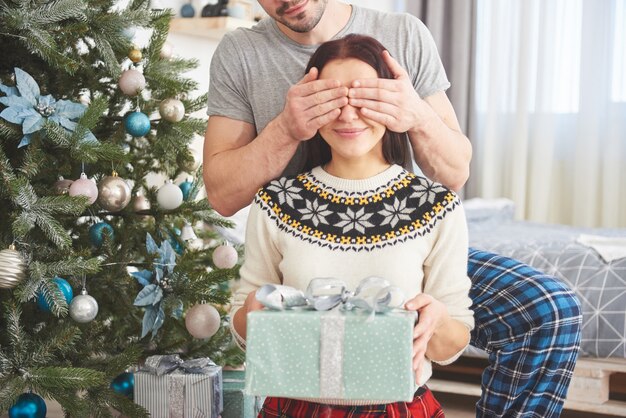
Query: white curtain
[[547, 116]]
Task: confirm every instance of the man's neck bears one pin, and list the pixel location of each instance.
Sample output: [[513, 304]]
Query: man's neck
[[335, 18]]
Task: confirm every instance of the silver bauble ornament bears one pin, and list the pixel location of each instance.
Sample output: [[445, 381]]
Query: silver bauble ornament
[[12, 268], [169, 196], [141, 203], [113, 193], [83, 308], [202, 321], [172, 110]]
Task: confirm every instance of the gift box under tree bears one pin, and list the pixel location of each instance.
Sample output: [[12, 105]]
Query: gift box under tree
[[330, 354], [236, 403], [171, 388]]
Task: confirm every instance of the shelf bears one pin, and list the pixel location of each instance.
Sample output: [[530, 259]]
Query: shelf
[[207, 27]]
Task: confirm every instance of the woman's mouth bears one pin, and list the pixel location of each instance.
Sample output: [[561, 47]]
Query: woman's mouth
[[350, 132]]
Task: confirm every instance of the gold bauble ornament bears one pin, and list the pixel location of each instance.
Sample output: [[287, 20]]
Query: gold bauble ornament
[[135, 55], [12, 268], [113, 193]]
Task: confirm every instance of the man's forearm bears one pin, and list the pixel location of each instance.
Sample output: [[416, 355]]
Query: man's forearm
[[443, 154], [232, 177]]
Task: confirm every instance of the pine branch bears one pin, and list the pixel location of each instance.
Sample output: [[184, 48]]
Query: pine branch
[[32, 163], [53, 297], [92, 115], [10, 389], [59, 11], [60, 341], [91, 152], [17, 335], [57, 135], [74, 378], [196, 104]]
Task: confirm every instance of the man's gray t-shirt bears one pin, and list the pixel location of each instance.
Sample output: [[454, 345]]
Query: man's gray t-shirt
[[252, 69]]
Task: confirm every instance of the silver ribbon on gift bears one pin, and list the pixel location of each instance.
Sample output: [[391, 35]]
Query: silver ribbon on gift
[[177, 369], [372, 295]]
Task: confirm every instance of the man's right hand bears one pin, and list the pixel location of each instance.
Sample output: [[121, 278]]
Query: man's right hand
[[311, 104]]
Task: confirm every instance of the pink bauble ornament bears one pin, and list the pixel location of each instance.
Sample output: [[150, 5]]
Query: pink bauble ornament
[[131, 82], [202, 321], [84, 187], [225, 257]]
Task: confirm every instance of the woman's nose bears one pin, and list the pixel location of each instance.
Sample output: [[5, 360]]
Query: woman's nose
[[348, 113]]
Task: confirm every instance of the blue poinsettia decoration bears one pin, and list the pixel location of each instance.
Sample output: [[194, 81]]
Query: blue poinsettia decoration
[[27, 107], [154, 281]]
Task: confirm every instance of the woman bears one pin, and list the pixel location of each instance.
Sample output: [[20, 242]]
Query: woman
[[356, 213]]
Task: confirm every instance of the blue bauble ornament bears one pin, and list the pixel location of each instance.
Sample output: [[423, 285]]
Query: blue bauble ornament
[[186, 186], [28, 405], [63, 286], [175, 243], [97, 231], [187, 11], [124, 384], [137, 123]]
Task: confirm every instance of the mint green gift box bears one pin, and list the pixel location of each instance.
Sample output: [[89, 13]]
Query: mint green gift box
[[335, 354]]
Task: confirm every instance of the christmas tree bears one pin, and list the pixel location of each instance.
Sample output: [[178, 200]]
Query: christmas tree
[[96, 268]]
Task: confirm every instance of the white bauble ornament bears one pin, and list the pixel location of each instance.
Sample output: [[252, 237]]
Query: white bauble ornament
[[12, 268], [166, 51], [169, 196], [172, 110], [202, 321], [83, 308], [131, 82], [225, 257], [113, 193], [84, 187]]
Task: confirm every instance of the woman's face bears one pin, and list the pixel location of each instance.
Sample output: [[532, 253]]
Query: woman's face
[[352, 137]]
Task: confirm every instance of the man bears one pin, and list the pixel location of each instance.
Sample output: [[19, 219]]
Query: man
[[261, 109]]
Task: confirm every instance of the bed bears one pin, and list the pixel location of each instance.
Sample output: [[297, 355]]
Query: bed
[[592, 261]]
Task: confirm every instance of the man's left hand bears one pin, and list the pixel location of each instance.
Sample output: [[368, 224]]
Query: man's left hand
[[391, 102]]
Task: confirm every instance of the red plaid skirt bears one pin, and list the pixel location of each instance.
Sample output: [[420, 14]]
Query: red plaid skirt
[[424, 405]]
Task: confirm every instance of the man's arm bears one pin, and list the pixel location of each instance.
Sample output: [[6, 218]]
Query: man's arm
[[237, 161], [441, 150], [236, 164]]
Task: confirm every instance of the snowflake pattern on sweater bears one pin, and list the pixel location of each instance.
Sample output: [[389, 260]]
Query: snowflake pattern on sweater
[[404, 208]]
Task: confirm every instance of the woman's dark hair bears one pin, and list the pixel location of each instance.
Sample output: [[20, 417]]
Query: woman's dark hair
[[369, 50]]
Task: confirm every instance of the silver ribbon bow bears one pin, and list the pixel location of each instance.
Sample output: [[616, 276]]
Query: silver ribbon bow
[[174, 366], [372, 295]]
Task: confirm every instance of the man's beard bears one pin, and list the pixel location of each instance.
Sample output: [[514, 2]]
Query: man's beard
[[300, 25]]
